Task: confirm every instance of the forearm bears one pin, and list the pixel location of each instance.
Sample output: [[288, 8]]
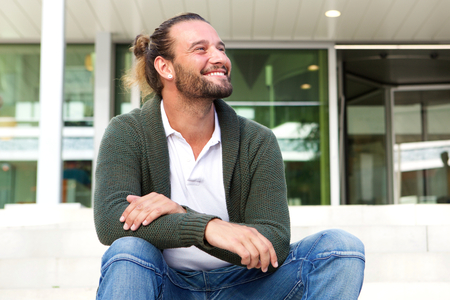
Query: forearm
[[121, 172], [278, 238], [262, 196], [168, 231]]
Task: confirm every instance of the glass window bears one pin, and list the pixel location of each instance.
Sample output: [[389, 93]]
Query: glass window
[[17, 182], [124, 60], [78, 108], [365, 145], [287, 91], [19, 85], [422, 146], [77, 182], [19, 107]]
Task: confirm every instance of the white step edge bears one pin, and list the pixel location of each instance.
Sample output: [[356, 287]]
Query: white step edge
[[405, 291]]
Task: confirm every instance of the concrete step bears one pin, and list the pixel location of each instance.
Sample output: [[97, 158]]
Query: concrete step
[[407, 267], [38, 273], [46, 241], [405, 291], [407, 249], [84, 272], [48, 294], [370, 291], [390, 239], [58, 242], [50, 242], [365, 215], [23, 215]]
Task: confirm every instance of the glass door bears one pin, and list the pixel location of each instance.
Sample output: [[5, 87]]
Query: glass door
[[421, 131], [365, 142]]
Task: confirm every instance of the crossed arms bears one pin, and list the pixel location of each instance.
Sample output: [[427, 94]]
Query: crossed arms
[[129, 201]]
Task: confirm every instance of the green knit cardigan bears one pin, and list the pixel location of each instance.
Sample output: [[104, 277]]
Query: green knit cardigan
[[134, 160]]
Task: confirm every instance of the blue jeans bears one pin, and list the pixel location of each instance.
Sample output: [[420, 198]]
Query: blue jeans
[[326, 265]]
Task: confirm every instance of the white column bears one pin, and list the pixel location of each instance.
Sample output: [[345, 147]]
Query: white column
[[334, 127], [104, 91], [135, 92], [53, 45]]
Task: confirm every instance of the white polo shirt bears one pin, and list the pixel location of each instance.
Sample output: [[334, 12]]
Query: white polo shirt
[[197, 184]]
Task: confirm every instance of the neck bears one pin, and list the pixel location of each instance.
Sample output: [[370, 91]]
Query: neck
[[193, 118]]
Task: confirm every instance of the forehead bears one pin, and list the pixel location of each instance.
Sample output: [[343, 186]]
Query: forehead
[[184, 34]]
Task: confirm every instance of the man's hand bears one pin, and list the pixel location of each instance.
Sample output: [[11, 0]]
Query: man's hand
[[255, 250], [144, 210]]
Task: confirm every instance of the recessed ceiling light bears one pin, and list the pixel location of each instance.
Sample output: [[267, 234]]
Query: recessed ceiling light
[[305, 86], [313, 68], [332, 13]]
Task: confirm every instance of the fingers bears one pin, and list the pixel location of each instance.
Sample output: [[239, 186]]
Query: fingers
[[140, 209], [144, 210], [132, 199], [265, 251], [249, 255], [268, 255], [259, 252], [255, 250]]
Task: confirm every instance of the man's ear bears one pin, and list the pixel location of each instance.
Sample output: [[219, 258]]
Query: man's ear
[[164, 67]]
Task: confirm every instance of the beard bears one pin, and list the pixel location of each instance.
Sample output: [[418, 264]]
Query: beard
[[193, 86]]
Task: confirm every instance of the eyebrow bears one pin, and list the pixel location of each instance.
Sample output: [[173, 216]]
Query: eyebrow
[[203, 42]]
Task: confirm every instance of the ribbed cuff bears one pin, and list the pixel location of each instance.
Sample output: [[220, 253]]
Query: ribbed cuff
[[193, 228]]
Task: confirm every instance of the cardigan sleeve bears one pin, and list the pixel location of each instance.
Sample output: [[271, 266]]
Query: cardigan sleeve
[[267, 207], [263, 194], [120, 173]]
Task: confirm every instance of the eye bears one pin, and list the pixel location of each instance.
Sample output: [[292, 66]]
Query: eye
[[200, 49]]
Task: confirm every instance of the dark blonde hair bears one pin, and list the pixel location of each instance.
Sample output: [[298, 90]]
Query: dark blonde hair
[[147, 48]]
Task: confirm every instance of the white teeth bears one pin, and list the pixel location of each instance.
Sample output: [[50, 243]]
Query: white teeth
[[216, 73]]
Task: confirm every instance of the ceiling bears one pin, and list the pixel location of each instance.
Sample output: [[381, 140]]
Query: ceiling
[[398, 67], [361, 21]]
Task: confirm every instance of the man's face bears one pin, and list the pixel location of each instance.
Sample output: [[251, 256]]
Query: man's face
[[202, 69]]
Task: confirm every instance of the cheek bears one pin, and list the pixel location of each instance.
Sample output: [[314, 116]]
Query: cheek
[[228, 65]]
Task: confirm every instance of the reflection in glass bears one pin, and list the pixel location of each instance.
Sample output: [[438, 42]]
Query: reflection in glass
[[17, 182], [19, 107], [122, 94], [269, 88], [365, 144], [281, 89], [78, 108], [19, 85], [77, 182], [422, 137], [276, 75]]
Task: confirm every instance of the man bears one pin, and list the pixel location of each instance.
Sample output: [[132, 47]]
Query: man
[[192, 197]]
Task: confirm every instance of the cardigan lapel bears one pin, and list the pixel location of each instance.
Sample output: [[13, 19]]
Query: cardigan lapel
[[156, 146], [158, 152], [229, 128]]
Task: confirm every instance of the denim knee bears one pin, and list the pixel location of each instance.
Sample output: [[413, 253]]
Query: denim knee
[[134, 248], [340, 240], [331, 241], [132, 268]]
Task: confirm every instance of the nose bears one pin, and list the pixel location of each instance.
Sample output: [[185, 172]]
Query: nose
[[218, 56]]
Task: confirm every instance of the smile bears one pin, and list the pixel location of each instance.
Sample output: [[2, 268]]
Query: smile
[[216, 74]]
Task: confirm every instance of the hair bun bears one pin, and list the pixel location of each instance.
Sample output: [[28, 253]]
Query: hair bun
[[141, 45]]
